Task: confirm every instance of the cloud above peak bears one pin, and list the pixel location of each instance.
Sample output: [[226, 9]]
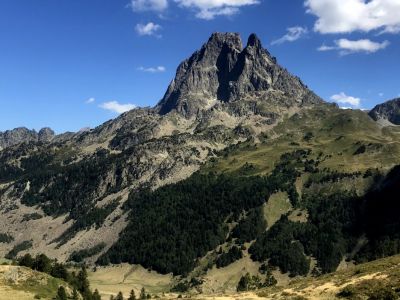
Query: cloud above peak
[[293, 34], [149, 29], [342, 98], [116, 107], [345, 46], [204, 9], [209, 9], [158, 69], [345, 16], [149, 5]]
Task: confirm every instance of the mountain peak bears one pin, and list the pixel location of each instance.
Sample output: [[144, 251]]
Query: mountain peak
[[254, 41], [226, 38], [223, 71]]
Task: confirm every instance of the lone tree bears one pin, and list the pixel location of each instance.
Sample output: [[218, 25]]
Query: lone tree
[[96, 295], [132, 295], [61, 294], [119, 296], [143, 294], [75, 295]]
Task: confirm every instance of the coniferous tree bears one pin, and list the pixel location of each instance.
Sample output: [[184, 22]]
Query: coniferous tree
[[75, 295], [26, 261], [119, 296], [96, 295], [61, 294], [143, 294], [132, 295], [83, 282], [42, 264]]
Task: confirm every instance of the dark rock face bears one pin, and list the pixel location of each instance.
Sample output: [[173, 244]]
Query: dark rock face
[[22, 134], [204, 74], [222, 70], [388, 111]]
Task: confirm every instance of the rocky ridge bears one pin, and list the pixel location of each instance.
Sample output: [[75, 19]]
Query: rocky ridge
[[22, 134], [225, 72], [387, 113]]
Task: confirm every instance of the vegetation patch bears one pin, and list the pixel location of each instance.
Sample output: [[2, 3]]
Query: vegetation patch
[[6, 238], [80, 255], [226, 258], [251, 283], [32, 216], [25, 245]]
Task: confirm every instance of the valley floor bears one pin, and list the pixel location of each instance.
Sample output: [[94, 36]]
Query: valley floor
[[379, 278]]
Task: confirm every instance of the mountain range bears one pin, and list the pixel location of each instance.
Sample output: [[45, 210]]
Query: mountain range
[[240, 168]]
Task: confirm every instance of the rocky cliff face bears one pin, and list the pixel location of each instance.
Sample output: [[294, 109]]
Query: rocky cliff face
[[222, 71], [387, 113], [22, 134]]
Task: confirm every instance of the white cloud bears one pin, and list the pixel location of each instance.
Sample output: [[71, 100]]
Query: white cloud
[[148, 29], [158, 69], [90, 100], [346, 46], [381, 94], [149, 5], [209, 9], [293, 34], [344, 16], [116, 107], [342, 98]]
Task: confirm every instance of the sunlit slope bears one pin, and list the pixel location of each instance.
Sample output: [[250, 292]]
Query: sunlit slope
[[20, 283], [348, 141]]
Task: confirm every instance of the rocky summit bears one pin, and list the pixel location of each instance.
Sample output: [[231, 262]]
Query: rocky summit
[[223, 71], [22, 134]]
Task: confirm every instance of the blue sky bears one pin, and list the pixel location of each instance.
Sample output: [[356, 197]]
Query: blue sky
[[72, 64]]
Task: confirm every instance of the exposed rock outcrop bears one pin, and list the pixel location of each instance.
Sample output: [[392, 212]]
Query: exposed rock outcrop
[[222, 71], [22, 134], [387, 113]]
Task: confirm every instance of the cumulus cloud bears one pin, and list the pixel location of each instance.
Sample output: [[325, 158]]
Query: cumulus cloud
[[345, 46], [293, 34], [342, 98], [158, 69], [345, 16], [116, 107], [149, 5], [90, 100], [209, 9], [148, 29]]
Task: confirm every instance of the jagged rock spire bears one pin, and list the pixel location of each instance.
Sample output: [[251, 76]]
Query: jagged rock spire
[[223, 71]]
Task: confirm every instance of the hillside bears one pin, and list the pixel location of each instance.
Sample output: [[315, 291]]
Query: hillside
[[239, 169], [25, 284], [374, 280]]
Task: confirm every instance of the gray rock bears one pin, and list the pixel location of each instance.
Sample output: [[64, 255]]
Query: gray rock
[[45, 134], [222, 70], [24, 135], [387, 112]]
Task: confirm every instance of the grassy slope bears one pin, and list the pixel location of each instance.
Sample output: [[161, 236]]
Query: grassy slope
[[360, 282], [112, 279], [23, 283], [375, 278], [337, 133]]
